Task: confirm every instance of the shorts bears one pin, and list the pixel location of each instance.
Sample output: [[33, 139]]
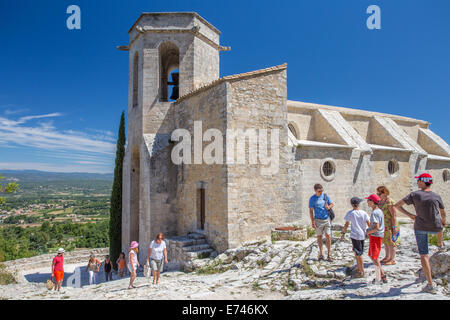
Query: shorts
[[422, 240], [59, 275], [130, 269], [322, 226], [358, 246], [157, 265], [375, 247]]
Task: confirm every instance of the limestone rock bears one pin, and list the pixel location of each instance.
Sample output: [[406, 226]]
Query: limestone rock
[[440, 263]]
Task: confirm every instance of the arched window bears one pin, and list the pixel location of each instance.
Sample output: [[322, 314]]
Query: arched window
[[292, 129], [169, 55], [393, 168], [135, 79]]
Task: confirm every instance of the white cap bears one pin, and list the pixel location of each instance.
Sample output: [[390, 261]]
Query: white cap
[[61, 250]]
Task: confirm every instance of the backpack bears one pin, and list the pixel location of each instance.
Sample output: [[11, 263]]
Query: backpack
[[330, 212]]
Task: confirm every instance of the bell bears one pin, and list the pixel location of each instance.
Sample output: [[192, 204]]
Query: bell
[[175, 93], [175, 82]]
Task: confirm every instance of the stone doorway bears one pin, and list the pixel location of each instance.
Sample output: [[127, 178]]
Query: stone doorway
[[201, 204]]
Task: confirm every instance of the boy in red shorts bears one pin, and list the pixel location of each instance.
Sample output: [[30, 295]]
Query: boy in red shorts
[[376, 235]]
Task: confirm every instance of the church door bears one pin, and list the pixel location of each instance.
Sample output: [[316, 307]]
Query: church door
[[202, 209]]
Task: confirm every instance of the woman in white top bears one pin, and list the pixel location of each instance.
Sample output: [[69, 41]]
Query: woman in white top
[[156, 252], [133, 262]]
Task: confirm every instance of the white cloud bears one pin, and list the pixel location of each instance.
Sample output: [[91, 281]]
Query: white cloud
[[15, 111], [87, 152], [46, 137]]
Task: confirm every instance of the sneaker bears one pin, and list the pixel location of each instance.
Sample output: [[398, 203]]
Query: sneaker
[[429, 289]]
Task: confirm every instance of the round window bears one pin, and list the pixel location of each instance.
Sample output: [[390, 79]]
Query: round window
[[393, 168], [328, 169]]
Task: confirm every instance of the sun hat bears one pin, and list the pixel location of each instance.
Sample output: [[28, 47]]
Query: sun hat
[[355, 201], [134, 244], [425, 177], [374, 198], [61, 250]]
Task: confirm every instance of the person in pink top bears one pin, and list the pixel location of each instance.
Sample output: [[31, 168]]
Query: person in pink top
[[133, 262]]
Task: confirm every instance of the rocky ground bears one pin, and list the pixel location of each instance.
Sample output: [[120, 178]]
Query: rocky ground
[[279, 270]]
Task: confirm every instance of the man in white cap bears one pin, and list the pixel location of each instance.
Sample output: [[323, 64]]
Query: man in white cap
[[58, 269]]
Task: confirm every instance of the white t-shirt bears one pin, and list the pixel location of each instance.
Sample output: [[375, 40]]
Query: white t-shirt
[[357, 219], [157, 250]]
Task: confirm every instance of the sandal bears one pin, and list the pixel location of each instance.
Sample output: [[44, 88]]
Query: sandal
[[389, 263], [384, 279], [320, 257], [329, 259]]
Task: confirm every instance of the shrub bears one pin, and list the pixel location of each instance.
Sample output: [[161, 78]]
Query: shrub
[[6, 277]]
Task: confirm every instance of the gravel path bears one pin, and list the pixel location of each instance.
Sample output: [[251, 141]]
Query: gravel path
[[279, 270]]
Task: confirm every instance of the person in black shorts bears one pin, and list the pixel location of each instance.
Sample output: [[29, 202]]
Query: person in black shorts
[[359, 220], [107, 266]]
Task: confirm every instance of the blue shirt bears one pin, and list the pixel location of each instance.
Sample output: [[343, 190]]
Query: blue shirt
[[318, 204]]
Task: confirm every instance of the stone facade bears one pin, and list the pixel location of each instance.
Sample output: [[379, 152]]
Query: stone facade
[[348, 151]]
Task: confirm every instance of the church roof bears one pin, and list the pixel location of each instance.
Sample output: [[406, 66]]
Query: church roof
[[232, 77]]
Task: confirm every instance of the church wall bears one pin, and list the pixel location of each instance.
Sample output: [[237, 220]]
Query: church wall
[[399, 184], [257, 202], [206, 63], [359, 123], [304, 124], [352, 177], [436, 168], [209, 107]]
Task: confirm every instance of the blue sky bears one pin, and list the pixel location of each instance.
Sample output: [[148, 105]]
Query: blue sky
[[62, 91]]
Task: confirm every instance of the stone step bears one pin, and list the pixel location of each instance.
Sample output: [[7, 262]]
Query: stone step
[[186, 242], [200, 254], [197, 247], [196, 235]]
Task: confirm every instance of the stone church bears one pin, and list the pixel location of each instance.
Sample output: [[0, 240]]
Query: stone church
[[174, 81]]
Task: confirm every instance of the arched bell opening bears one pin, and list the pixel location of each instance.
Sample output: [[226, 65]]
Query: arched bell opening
[[169, 66]]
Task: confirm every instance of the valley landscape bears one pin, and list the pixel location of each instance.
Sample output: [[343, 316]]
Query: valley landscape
[[52, 210]]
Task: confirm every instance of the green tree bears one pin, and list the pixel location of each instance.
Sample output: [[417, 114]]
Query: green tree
[[115, 213], [11, 187]]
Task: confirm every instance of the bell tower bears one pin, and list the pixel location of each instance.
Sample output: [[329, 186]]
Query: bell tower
[[170, 54]]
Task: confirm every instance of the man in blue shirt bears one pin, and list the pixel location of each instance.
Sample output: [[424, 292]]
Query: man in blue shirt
[[319, 204]]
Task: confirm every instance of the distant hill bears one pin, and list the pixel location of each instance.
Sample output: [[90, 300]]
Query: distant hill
[[42, 176]]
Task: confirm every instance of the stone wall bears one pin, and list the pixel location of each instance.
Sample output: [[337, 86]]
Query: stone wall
[[436, 169], [258, 202], [208, 107]]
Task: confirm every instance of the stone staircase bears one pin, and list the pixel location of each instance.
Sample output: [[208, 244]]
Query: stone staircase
[[188, 252]]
